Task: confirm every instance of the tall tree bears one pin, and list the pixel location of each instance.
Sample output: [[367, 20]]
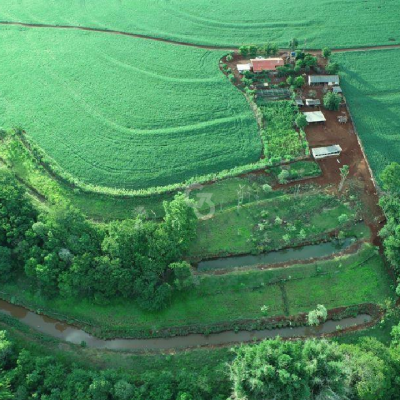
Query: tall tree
[[285, 370]]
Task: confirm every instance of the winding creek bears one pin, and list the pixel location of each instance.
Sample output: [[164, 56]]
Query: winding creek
[[72, 334], [69, 333]]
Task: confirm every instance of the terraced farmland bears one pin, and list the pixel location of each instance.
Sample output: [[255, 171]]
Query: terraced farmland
[[226, 22], [123, 112], [372, 88]]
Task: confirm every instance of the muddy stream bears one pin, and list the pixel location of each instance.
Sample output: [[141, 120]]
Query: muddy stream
[[69, 333], [72, 334]]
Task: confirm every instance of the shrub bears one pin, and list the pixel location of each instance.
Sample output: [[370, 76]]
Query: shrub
[[332, 101]]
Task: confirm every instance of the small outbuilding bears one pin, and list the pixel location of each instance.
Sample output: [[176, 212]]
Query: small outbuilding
[[337, 89], [314, 116], [266, 64], [242, 68], [323, 79], [313, 102], [329, 151], [299, 102]]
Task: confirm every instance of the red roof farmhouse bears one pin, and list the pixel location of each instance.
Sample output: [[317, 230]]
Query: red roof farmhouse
[[266, 64]]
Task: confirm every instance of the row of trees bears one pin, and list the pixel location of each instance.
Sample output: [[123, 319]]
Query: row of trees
[[317, 370], [273, 369], [390, 204], [63, 253], [268, 49]]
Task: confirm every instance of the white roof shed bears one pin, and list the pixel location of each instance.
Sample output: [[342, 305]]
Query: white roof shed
[[329, 151], [243, 68], [314, 116]]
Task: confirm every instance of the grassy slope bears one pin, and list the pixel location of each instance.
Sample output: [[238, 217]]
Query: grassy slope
[[100, 207], [235, 296], [124, 112], [226, 22], [231, 230], [371, 82]]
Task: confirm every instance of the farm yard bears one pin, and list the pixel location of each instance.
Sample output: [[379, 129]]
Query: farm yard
[[178, 179], [108, 108], [225, 23]]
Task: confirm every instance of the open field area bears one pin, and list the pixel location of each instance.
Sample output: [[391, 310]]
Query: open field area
[[124, 112], [226, 22], [371, 81], [275, 223]]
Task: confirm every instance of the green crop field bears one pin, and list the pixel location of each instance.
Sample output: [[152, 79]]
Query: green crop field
[[123, 112], [226, 22], [371, 82]]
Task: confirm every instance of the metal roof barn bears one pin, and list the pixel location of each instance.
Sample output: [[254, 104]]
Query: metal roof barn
[[329, 151], [337, 89], [313, 102], [314, 116], [319, 79]]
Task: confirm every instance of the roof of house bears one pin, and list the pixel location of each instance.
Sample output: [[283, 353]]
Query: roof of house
[[313, 102], [322, 151], [266, 64], [337, 89], [315, 116], [323, 79], [244, 67]]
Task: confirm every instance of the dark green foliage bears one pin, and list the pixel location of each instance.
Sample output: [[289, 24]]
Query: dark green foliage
[[326, 52], [391, 207], [48, 378], [390, 178], [5, 263], [301, 121], [269, 49], [305, 61], [280, 139], [67, 255], [332, 68], [332, 101], [287, 370], [16, 213]]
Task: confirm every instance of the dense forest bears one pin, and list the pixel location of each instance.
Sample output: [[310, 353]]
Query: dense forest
[[65, 254], [274, 369]]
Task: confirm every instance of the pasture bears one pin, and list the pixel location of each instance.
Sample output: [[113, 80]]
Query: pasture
[[226, 22], [122, 112], [371, 82]]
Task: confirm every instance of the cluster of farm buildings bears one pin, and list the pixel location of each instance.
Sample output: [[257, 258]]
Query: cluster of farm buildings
[[259, 65]]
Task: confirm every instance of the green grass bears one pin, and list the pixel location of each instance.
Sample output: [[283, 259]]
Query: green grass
[[236, 296], [252, 227], [222, 194], [299, 170], [280, 139], [122, 112], [226, 22], [371, 83]]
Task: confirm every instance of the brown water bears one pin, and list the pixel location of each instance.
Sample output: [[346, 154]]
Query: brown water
[[69, 333], [295, 254]]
